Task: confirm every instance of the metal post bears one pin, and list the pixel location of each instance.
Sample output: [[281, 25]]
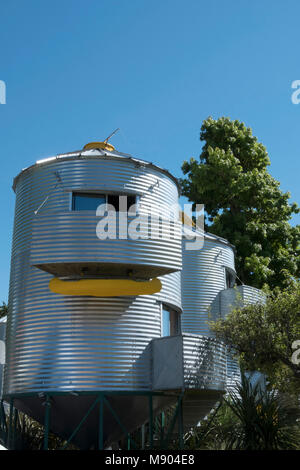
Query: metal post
[[174, 419], [47, 421], [143, 436], [162, 428], [150, 422], [180, 423], [101, 409]]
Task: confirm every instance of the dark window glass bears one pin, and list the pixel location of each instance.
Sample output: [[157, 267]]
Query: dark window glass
[[230, 279], [87, 202], [115, 201], [90, 201], [174, 323]]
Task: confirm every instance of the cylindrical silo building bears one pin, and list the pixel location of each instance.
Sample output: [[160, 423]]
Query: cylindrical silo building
[[96, 341], [82, 343]]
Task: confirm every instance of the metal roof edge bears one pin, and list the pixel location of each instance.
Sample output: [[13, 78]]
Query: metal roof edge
[[92, 154]]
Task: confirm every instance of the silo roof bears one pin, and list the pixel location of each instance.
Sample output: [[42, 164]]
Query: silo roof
[[186, 230], [100, 153]]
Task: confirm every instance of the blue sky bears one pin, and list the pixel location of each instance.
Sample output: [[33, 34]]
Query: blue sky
[[76, 70]]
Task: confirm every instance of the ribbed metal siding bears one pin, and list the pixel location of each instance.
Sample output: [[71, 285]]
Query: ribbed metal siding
[[236, 297], [251, 295], [62, 343], [70, 237], [203, 276], [204, 363], [100, 174], [233, 373], [171, 290]]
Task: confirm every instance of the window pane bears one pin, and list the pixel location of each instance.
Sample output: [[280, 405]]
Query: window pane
[[131, 200], [115, 201], [174, 323], [90, 201], [165, 323], [230, 279], [87, 202], [170, 321]]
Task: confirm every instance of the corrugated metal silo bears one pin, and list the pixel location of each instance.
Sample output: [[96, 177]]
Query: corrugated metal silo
[[58, 343]]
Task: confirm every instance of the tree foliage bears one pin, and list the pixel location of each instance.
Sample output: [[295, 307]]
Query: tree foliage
[[266, 336], [3, 310], [244, 203]]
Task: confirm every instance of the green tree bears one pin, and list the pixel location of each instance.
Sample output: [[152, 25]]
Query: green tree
[[244, 203], [267, 336], [3, 310]]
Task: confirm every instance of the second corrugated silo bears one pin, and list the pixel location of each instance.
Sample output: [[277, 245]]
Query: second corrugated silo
[[205, 272], [209, 292]]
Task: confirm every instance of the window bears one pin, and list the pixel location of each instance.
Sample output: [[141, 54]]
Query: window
[[87, 202], [90, 201], [229, 278], [170, 321], [165, 327]]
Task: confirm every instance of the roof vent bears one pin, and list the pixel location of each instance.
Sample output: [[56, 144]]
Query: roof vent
[[102, 145], [99, 145]]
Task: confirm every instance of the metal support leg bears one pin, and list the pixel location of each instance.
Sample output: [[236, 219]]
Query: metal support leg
[[162, 428], [128, 441], [172, 424], [143, 436], [101, 409], [81, 422], [150, 422], [132, 442], [180, 424], [47, 422]]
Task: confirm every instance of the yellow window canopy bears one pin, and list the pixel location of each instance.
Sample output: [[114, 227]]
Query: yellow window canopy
[[105, 287]]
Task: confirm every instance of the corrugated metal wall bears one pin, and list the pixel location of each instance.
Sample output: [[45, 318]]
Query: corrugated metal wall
[[70, 237], [204, 363], [236, 297], [203, 277]]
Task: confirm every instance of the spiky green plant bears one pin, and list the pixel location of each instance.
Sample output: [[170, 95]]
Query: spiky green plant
[[250, 419]]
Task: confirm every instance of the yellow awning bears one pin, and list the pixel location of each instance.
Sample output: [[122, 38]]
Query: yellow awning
[[105, 287]]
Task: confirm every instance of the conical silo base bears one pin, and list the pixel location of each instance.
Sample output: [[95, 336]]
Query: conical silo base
[[77, 416], [122, 414]]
